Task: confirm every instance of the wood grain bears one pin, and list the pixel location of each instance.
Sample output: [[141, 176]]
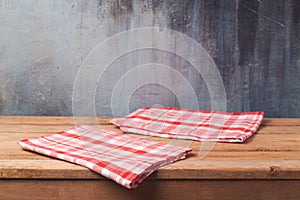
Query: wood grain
[[63, 120], [150, 189], [268, 162], [52, 120]]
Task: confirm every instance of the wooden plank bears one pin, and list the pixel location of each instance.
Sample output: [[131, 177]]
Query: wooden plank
[[281, 121], [18, 153], [52, 120], [50, 168], [256, 146], [209, 167], [258, 142], [278, 129], [150, 189], [52, 128], [46, 129], [70, 120], [257, 165], [232, 169]]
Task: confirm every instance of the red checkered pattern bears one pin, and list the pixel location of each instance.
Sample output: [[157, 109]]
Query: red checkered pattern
[[124, 159], [191, 124]]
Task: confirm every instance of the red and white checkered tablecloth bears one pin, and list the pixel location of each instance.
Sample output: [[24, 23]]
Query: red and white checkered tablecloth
[[191, 124], [126, 160]]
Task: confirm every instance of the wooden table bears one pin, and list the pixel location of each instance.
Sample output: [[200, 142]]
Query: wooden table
[[267, 166]]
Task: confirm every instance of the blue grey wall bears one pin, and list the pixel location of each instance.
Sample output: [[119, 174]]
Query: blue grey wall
[[254, 43]]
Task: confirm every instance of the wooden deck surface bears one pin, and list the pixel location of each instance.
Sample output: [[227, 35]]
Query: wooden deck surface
[[267, 166]]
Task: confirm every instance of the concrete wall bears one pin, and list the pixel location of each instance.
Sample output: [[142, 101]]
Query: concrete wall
[[254, 43]]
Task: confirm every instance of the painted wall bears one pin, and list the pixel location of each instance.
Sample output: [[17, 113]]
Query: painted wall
[[254, 43]]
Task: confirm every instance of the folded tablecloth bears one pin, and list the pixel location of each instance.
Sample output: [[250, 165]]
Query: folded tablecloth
[[191, 124], [125, 159]]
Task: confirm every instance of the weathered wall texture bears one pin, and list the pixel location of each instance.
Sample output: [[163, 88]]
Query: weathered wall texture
[[254, 43]]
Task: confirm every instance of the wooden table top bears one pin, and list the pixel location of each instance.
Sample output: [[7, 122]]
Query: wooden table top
[[272, 153]]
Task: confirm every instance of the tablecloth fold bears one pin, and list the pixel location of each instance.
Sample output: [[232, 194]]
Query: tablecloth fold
[[125, 159], [191, 124]]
